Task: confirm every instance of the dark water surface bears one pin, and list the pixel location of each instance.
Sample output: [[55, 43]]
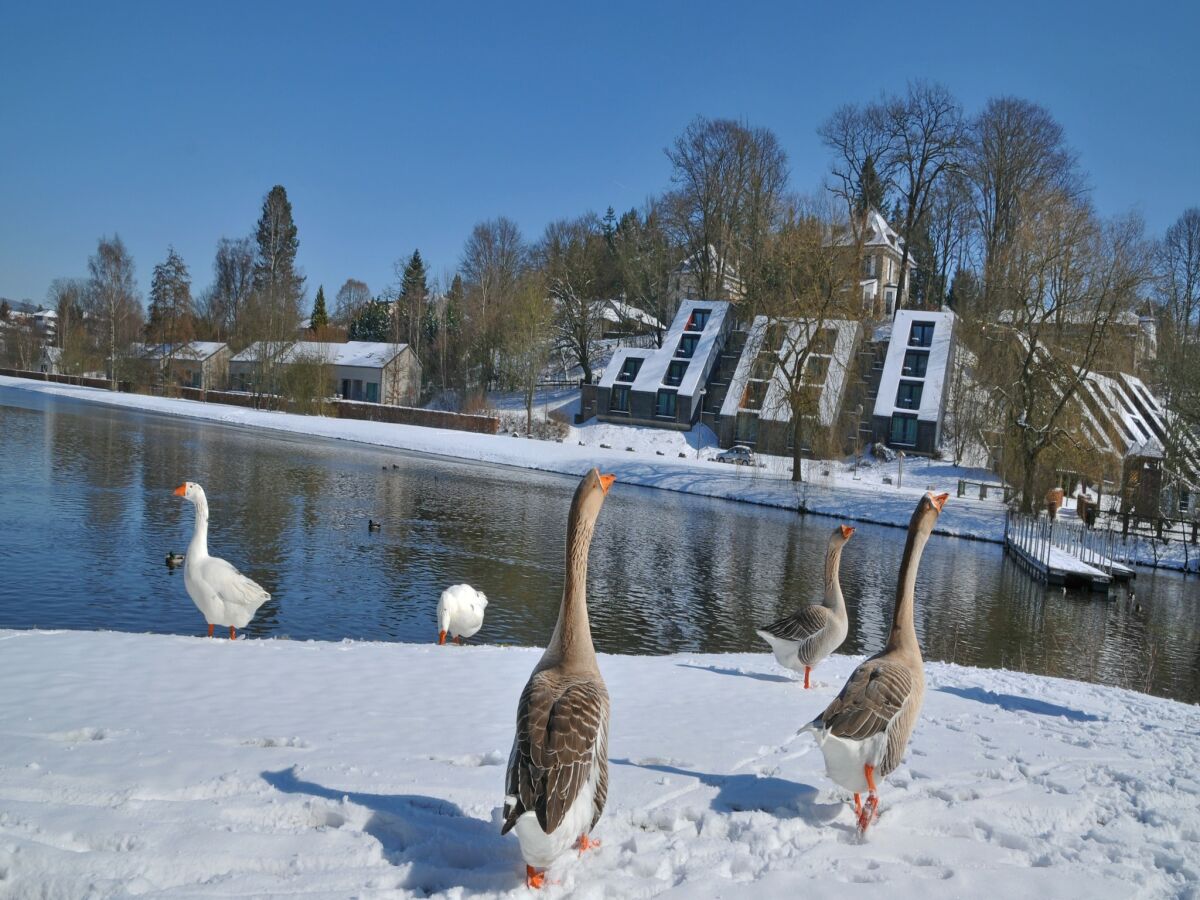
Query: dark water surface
[[87, 515]]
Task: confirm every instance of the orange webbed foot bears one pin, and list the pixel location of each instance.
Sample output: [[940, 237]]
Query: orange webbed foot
[[585, 843], [441, 637], [533, 878]]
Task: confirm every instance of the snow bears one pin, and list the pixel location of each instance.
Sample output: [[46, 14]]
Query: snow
[[654, 369], [352, 354], [280, 768]]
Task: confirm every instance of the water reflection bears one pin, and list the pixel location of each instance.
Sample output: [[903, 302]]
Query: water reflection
[[87, 514]]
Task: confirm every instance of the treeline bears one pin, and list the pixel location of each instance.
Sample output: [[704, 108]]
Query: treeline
[[992, 208]]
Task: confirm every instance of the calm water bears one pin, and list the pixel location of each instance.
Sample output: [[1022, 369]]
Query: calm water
[[87, 515]]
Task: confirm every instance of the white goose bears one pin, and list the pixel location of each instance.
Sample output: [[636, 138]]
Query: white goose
[[812, 632], [864, 731], [223, 594], [460, 612], [557, 778]]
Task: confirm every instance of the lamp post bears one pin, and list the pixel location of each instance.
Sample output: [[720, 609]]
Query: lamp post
[[900, 469]]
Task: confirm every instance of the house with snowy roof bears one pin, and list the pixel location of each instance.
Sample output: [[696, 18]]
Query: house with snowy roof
[[664, 386], [687, 282], [766, 387], [911, 398], [196, 364], [366, 371], [882, 257]]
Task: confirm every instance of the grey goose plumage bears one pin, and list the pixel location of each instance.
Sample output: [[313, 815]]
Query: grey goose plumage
[[863, 733], [557, 780]]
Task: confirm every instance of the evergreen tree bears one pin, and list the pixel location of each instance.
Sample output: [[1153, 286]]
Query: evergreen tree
[[609, 228], [414, 298], [5, 310], [373, 323], [872, 193], [170, 314], [320, 317]]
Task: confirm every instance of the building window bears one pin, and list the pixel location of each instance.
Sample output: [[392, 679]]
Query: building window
[[921, 334], [908, 395], [1185, 501], [675, 372], [776, 335], [756, 392], [687, 346], [904, 430], [630, 368], [698, 319], [915, 364], [665, 407], [346, 389], [372, 392], [815, 369], [869, 266], [620, 399]]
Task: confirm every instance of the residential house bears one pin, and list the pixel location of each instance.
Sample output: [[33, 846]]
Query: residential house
[[366, 371], [685, 282], [911, 398], [663, 386], [757, 411], [882, 256], [51, 360], [196, 364]]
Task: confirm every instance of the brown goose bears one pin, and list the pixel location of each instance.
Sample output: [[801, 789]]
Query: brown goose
[[810, 634], [558, 770], [863, 732]]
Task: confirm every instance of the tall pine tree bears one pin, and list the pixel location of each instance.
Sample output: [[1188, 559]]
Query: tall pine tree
[[320, 316], [872, 192], [170, 314], [414, 297]]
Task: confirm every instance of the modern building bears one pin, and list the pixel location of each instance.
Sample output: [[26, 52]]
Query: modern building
[[366, 371], [663, 386], [911, 398], [758, 408]]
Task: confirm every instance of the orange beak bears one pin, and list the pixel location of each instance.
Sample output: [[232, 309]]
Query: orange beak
[[181, 490], [846, 532], [606, 481], [940, 500]]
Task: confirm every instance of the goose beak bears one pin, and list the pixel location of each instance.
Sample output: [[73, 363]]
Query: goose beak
[[940, 500], [181, 490], [606, 481], [846, 532]]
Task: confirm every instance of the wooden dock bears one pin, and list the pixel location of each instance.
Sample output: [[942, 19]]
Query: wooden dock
[[1055, 554]]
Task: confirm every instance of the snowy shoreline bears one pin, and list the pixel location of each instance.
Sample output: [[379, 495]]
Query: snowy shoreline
[[272, 767], [964, 518]]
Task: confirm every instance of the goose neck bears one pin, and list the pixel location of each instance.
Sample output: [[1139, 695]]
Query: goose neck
[[199, 544], [904, 633], [571, 644], [833, 581]]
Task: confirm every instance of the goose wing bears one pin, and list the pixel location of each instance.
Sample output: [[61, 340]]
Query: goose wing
[[807, 622], [230, 585], [561, 730], [871, 699]]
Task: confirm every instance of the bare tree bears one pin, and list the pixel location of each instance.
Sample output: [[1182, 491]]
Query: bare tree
[[804, 287], [1016, 164], [494, 259], [1069, 276], [113, 301], [861, 139], [570, 256], [926, 134], [530, 335], [68, 298], [233, 281], [730, 181], [171, 316], [352, 298]]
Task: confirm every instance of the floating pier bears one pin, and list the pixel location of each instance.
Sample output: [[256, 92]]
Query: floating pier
[[1062, 552]]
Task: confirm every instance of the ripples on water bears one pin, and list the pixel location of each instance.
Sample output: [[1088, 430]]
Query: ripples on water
[[87, 516]]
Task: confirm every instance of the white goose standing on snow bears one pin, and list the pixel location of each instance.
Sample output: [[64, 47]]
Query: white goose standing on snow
[[460, 612], [812, 632], [558, 770], [864, 731], [223, 594]]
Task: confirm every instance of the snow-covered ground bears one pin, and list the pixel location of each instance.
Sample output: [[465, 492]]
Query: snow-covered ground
[[838, 494], [167, 766]]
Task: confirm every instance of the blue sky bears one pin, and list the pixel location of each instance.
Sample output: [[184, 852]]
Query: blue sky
[[394, 127]]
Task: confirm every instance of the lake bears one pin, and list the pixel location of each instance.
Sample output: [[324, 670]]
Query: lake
[[87, 515]]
